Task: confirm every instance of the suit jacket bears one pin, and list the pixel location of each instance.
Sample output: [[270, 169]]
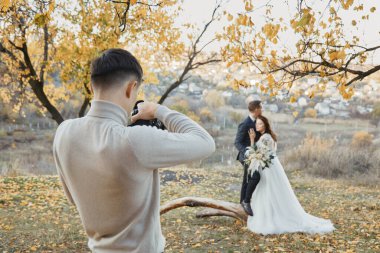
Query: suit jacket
[[110, 172], [242, 140]]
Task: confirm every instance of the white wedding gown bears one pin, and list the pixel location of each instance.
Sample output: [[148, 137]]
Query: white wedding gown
[[276, 208]]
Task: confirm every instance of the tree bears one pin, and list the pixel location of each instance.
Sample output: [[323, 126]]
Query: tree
[[195, 58], [322, 48], [25, 25], [190, 58], [68, 48], [100, 31]]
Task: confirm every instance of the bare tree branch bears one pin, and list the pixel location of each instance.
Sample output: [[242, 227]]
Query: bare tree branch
[[363, 74], [9, 53], [123, 16], [215, 207], [193, 53], [46, 52]]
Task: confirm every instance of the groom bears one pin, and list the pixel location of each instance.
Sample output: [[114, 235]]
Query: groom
[[242, 141], [110, 171]]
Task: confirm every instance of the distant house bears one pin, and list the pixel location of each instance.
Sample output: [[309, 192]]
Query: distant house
[[313, 80], [340, 113], [227, 94], [302, 102], [322, 108], [195, 89], [341, 105], [271, 107], [343, 114], [363, 109], [184, 87], [327, 101], [252, 97]]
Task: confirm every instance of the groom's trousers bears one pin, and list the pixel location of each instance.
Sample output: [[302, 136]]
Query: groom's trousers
[[248, 185]]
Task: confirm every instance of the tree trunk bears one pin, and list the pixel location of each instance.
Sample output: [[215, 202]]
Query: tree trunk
[[82, 110], [167, 92], [214, 207], [37, 88]]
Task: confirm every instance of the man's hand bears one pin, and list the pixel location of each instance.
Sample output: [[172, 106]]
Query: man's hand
[[146, 110]]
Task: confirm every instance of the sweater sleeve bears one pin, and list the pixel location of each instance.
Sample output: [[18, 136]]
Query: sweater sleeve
[[64, 186], [184, 141], [66, 190]]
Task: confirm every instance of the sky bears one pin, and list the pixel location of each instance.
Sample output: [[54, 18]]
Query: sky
[[199, 12]]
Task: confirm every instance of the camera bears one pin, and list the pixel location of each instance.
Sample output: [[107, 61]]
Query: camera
[[141, 122]]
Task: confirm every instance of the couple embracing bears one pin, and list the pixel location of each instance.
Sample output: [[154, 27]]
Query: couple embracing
[[266, 194]]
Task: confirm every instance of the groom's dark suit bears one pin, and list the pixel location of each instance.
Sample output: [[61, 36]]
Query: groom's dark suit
[[242, 141]]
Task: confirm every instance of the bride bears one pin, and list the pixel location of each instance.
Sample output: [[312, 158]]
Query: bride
[[276, 208]]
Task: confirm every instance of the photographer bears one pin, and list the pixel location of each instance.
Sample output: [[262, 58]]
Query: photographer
[[110, 171]]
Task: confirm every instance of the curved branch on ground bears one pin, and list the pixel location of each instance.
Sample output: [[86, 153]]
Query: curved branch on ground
[[214, 207]]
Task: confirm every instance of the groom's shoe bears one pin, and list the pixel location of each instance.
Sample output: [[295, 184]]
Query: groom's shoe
[[247, 208]]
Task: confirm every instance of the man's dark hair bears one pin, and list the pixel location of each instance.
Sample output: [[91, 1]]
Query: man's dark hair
[[253, 105], [115, 66]]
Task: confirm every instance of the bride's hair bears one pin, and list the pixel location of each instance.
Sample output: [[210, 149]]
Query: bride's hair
[[268, 128]]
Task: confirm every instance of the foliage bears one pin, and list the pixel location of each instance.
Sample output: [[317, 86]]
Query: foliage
[[214, 99], [362, 139], [322, 47], [206, 115], [41, 38], [182, 106], [310, 113], [326, 158], [236, 117]]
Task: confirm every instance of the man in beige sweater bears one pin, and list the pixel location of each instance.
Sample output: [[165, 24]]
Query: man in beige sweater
[[110, 171]]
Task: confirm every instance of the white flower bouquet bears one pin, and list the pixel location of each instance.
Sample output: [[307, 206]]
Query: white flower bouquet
[[258, 156]]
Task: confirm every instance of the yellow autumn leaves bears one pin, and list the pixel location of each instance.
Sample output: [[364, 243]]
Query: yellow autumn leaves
[[4, 5], [271, 31], [322, 47], [51, 224]]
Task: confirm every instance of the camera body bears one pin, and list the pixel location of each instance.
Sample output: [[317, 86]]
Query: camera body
[[141, 122]]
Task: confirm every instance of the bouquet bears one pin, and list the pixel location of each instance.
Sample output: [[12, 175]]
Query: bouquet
[[258, 156]]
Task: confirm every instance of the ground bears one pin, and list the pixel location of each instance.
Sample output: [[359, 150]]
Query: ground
[[35, 215]]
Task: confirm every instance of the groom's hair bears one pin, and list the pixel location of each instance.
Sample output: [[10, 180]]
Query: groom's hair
[[253, 105], [115, 66]]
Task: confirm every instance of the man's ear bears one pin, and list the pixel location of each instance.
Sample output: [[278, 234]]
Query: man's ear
[[130, 86]]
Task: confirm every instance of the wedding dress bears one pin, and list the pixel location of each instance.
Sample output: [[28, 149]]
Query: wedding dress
[[276, 208]]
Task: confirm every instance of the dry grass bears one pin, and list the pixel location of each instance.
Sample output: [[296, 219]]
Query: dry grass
[[325, 158]]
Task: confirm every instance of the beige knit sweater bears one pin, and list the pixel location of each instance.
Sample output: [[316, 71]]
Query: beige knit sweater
[[110, 172]]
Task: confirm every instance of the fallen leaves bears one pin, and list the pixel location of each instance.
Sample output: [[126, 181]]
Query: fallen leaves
[[36, 217]]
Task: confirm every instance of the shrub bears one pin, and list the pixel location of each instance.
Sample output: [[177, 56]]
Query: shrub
[[362, 139], [214, 99], [375, 115], [206, 115], [325, 158], [310, 113], [182, 106], [236, 117], [3, 133]]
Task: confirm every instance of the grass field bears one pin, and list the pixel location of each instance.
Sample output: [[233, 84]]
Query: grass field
[[36, 217]]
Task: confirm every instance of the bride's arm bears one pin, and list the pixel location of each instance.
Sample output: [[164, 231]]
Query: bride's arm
[[268, 141]]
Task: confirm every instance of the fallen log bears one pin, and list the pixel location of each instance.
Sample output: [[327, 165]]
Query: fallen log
[[213, 207]]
